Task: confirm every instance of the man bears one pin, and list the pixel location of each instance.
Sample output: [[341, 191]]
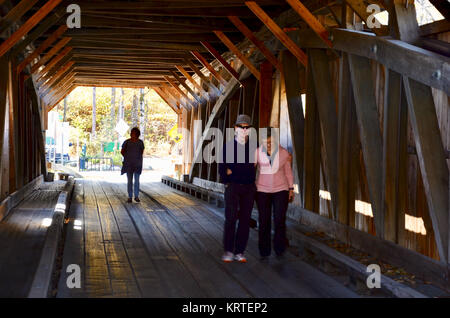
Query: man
[[238, 174]]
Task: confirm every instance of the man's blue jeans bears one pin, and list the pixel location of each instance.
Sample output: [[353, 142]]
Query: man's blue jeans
[[130, 184]]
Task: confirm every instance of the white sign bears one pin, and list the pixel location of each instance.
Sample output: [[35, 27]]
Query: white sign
[[121, 127]]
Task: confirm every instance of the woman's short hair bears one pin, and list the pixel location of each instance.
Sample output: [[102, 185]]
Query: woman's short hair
[[136, 130]]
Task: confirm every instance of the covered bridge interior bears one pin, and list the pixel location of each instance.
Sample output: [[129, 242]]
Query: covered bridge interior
[[361, 102]]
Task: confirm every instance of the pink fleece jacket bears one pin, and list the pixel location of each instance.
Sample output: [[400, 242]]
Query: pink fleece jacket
[[276, 177]]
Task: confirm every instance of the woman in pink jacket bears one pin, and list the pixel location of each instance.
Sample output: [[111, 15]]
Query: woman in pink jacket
[[274, 183]]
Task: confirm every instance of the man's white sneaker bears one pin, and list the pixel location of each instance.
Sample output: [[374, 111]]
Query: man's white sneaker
[[227, 257], [240, 258]]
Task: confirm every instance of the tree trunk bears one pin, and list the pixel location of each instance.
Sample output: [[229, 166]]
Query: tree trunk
[[113, 105], [134, 111], [142, 113], [94, 115], [121, 114]]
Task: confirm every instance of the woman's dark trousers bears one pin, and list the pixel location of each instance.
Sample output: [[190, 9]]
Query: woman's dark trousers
[[278, 204]]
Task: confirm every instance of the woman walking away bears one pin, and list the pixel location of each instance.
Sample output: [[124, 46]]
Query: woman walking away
[[274, 183], [132, 151]]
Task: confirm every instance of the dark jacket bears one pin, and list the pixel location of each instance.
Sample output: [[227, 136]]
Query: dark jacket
[[244, 171], [132, 158]]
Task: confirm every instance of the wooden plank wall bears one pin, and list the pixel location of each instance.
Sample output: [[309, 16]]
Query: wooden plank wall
[[417, 215], [22, 155]]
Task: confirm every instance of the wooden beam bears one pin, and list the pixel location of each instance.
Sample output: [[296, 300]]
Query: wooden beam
[[189, 77], [326, 105], [435, 27], [53, 62], [52, 38], [50, 54], [170, 92], [238, 53], [311, 20], [432, 160], [265, 93], [27, 26], [172, 100], [182, 82], [278, 32], [295, 109], [202, 76], [39, 30], [348, 152], [259, 44], [211, 69], [178, 89], [15, 14], [166, 99], [61, 97], [403, 21], [370, 134], [312, 152], [430, 68], [391, 152], [219, 58], [57, 75], [3, 102]]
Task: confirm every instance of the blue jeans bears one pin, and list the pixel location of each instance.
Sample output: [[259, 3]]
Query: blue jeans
[[130, 184]]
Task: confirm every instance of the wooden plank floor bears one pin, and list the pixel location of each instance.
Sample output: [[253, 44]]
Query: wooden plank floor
[[170, 245], [22, 235]]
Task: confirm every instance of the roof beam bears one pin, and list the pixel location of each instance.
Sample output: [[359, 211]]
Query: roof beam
[[311, 20], [52, 38], [27, 26], [259, 44], [57, 75], [166, 99], [238, 53], [53, 62], [178, 89], [171, 92], [15, 14], [189, 77], [278, 32], [202, 76], [182, 82], [219, 58], [50, 54], [209, 67]]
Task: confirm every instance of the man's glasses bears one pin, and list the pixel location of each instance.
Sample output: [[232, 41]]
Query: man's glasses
[[243, 127]]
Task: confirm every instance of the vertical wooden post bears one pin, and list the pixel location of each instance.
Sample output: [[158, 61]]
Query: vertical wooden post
[[347, 152], [265, 93], [432, 159], [312, 148], [328, 118], [370, 134], [391, 121], [295, 108]]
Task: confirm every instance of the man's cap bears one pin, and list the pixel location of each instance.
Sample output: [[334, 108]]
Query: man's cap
[[243, 119]]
